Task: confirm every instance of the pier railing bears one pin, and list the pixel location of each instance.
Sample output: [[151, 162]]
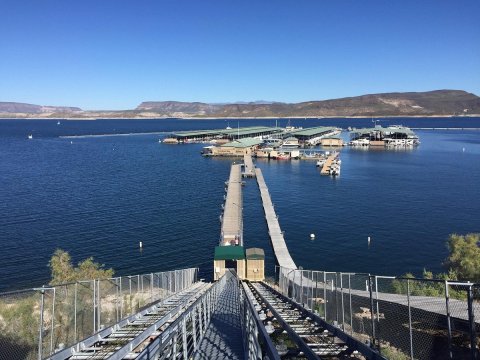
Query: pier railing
[[35, 323], [403, 318]]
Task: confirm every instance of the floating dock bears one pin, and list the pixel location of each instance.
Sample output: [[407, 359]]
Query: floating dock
[[248, 168], [232, 220], [328, 163], [276, 235]]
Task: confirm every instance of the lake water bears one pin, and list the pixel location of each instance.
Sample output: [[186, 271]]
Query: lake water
[[100, 196]]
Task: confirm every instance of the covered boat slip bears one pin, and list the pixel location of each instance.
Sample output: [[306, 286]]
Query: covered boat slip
[[379, 133], [232, 220], [238, 133], [313, 135]]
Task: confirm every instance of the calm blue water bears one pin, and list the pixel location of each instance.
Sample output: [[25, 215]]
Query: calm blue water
[[100, 196]]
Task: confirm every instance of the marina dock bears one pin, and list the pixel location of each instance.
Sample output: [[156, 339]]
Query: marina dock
[[276, 235], [328, 163], [232, 220], [248, 168]]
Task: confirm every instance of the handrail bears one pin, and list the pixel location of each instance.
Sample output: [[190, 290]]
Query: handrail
[[259, 328]]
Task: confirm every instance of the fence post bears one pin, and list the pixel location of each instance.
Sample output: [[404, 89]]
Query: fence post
[[99, 306], [336, 297], [325, 295], [449, 325], [151, 287], [53, 322], [40, 335], [94, 299], [75, 311], [371, 309], [410, 319], [343, 308], [471, 323], [350, 301]]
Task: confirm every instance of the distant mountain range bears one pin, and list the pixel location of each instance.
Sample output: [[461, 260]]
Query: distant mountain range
[[14, 107], [431, 103]]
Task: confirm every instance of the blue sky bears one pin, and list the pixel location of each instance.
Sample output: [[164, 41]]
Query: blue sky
[[114, 54]]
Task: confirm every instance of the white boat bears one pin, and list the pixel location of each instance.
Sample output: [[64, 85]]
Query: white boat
[[30, 137], [360, 142], [58, 122], [320, 162]]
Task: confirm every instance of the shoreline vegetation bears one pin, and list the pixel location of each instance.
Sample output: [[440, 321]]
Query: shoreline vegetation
[[437, 103]]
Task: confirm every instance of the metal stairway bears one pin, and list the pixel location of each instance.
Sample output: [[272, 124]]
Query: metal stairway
[[126, 339]]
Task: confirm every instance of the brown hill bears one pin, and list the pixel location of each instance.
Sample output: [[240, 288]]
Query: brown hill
[[439, 102]]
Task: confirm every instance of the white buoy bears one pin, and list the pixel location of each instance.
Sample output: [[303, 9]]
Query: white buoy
[[312, 236], [368, 239], [463, 149], [140, 244]]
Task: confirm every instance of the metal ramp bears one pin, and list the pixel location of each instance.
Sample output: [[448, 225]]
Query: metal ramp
[[126, 339]]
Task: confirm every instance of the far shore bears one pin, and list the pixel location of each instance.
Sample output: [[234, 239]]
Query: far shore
[[5, 117]]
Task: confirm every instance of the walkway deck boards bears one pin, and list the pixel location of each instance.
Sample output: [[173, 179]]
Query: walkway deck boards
[[278, 242], [232, 216], [223, 338], [328, 163], [248, 168]]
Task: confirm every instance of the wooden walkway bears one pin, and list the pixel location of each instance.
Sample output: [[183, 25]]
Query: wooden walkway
[[248, 168], [232, 220], [223, 338], [278, 242], [328, 163]]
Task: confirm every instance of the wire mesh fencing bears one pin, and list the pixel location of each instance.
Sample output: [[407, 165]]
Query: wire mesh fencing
[[20, 324], [403, 318], [36, 323]]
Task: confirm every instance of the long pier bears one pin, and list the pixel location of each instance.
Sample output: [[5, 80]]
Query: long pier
[[248, 168], [276, 235], [232, 220]]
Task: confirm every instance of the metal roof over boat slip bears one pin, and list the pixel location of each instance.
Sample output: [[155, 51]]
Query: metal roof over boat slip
[[243, 143], [313, 131], [388, 130], [241, 131]]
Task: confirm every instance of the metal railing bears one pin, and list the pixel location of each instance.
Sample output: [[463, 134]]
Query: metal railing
[[257, 342], [38, 322], [181, 339], [403, 318]]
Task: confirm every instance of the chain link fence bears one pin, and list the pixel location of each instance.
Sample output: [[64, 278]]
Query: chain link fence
[[403, 318], [36, 323]]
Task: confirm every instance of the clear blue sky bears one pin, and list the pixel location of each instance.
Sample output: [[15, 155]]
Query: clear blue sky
[[113, 54]]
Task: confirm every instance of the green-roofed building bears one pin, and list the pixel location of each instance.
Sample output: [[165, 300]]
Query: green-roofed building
[[239, 147], [227, 257], [229, 133]]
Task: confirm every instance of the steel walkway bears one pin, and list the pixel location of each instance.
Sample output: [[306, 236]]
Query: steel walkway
[[223, 338], [276, 235]]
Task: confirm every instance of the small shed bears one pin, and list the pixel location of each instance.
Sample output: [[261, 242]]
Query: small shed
[[229, 257], [331, 141], [255, 264]]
